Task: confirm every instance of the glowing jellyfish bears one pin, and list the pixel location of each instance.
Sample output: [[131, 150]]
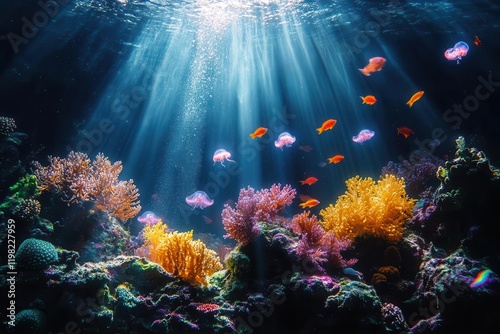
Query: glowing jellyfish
[[363, 135], [220, 155], [284, 139], [199, 199], [149, 218], [457, 52]]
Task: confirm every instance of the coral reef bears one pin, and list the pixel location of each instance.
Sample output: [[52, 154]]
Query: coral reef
[[77, 179], [368, 208], [242, 222], [179, 254]]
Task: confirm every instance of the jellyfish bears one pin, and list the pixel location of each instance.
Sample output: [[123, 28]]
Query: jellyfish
[[457, 52], [220, 155], [149, 218], [284, 139], [363, 135], [199, 199]]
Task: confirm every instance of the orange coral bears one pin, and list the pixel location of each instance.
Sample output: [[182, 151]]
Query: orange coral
[[368, 208], [179, 254], [79, 179]]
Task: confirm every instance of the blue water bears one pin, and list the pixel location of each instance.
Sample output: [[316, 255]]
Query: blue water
[[161, 86]]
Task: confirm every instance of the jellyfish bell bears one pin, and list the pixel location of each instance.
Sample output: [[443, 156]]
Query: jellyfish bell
[[199, 199], [220, 155], [457, 52], [284, 139]]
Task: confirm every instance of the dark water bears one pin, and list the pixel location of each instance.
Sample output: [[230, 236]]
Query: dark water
[[162, 85]]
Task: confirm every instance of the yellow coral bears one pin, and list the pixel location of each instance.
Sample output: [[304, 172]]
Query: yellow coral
[[179, 254], [368, 208]]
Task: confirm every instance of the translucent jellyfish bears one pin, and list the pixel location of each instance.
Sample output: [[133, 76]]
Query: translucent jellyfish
[[457, 52], [149, 218], [363, 135], [220, 155], [284, 139], [199, 199]]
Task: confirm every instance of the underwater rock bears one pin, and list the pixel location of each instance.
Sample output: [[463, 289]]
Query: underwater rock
[[31, 321], [358, 306], [467, 197], [444, 300]]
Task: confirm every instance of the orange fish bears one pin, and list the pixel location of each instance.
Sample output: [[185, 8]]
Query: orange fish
[[368, 99], [403, 130], [327, 125], [336, 159], [309, 180], [415, 98], [375, 64], [259, 132], [309, 203], [477, 41]]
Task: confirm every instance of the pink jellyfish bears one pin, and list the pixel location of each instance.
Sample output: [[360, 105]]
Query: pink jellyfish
[[363, 135], [220, 155], [149, 218], [199, 199], [284, 139], [457, 52]]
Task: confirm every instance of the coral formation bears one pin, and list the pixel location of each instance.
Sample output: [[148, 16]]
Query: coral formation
[[368, 208], [35, 254], [242, 222], [7, 125], [31, 321], [418, 171], [179, 254], [78, 179]]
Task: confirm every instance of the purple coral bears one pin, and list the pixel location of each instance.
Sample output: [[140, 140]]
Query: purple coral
[[419, 172], [241, 223]]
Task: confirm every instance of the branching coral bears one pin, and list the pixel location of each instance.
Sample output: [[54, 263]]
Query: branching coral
[[241, 223], [368, 208], [317, 245], [79, 179], [179, 254]]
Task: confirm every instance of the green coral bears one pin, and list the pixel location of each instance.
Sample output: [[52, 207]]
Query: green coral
[[35, 254], [25, 188]]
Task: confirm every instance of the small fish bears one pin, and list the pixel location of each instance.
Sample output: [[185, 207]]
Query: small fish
[[327, 125], [309, 181], [406, 132], [415, 98], [477, 41], [259, 132], [368, 99], [309, 203], [336, 159], [322, 164], [306, 148], [375, 64], [207, 220]]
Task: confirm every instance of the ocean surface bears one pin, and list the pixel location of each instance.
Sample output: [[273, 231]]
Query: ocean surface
[[162, 85]]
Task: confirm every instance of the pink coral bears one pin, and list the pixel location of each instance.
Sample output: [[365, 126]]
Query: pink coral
[[241, 223]]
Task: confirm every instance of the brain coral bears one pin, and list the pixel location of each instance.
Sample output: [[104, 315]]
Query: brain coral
[[35, 254], [31, 321], [368, 208]]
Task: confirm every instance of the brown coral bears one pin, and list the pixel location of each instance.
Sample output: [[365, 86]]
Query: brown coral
[[179, 254], [368, 208], [77, 179]]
